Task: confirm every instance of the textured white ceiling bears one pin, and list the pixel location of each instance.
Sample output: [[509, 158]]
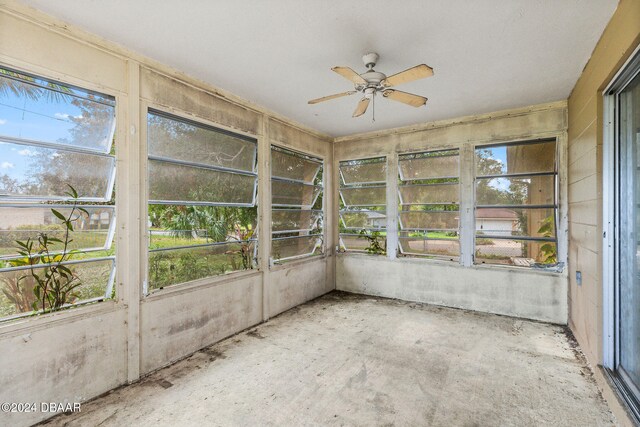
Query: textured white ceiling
[[487, 55]]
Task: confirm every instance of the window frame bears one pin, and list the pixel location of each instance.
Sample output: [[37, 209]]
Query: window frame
[[116, 101], [341, 247], [407, 183], [320, 250], [171, 113], [611, 238], [557, 206]]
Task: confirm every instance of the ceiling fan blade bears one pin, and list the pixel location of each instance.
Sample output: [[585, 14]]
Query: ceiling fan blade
[[415, 73], [405, 98], [350, 75], [337, 95], [362, 107]]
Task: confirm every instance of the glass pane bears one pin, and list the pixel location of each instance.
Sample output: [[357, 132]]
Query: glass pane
[[91, 230], [291, 166], [516, 222], [174, 182], [294, 219], [363, 171], [288, 247], [429, 167], [429, 193], [423, 220], [363, 218], [173, 138], [39, 110], [16, 286], [173, 226], [174, 266], [521, 253], [421, 246], [45, 173], [517, 158], [355, 242], [536, 190], [364, 196], [293, 193], [629, 249]]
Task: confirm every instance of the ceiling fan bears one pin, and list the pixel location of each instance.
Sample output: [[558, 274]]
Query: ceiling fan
[[372, 82]]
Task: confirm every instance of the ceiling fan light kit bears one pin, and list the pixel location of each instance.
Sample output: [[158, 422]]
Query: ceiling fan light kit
[[372, 82]]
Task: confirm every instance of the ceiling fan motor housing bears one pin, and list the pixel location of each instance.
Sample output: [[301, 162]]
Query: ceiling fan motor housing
[[370, 59]]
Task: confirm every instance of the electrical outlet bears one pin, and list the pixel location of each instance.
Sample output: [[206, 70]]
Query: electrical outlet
[[579, 278]]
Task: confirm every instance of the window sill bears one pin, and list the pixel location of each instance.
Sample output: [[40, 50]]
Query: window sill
[[22, 325], [456, 264], [203, 283], [514, 269], [294, 262]]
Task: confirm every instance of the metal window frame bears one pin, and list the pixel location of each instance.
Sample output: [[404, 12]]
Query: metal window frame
[[66, 148], [319, 244], [611, 233], [303, 156], [455, 152], [343, 182], [402, 183], [554, 206], [342, 185], [203, 245], [111, 231], [108, 99], [32, 201], [347, 206], [431, 256], [318, 219], [347, 211], [293, 208], [207, 168], [288, 205], [180, 117], [516, 143], [108, 285]]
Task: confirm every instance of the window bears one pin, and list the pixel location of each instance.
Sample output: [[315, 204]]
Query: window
[[54, 139], [296, 216], [516, 204], [429, 192], [363, 202], [202, 201]]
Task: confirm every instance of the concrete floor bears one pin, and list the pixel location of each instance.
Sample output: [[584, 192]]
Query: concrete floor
[[354, 360]]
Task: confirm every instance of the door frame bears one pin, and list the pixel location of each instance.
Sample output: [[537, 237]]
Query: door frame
[[610, 230]]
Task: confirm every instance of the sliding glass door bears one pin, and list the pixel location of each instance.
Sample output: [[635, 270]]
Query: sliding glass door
[[629, 296], [626, 366]]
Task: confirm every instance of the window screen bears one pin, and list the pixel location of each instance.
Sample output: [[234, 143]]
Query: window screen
[[296, 216], [429, 192], [363, 202], [202, 201], [516, 204], [54, 136]]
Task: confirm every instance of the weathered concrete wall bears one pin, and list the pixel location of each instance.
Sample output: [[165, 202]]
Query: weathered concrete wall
[[586, 129], [69, 357], [295, 284], [496, 289], [507, 291], [74, 355], [183, 320]]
